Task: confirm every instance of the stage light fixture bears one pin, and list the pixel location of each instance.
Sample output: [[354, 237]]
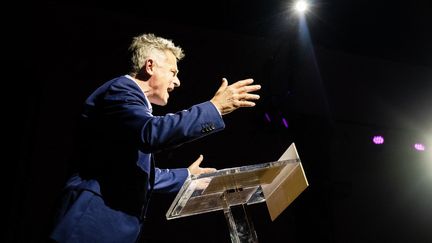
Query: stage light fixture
[[267, 117], [419, 147], [378, 139], [285, 122], [301, 6]]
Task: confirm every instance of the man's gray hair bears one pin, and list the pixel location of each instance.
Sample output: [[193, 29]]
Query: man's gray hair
[[143, 46]]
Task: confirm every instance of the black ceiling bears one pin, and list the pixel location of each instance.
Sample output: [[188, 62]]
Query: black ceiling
[[396, 30]]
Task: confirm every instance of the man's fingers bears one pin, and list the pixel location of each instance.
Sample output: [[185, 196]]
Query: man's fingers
[[242, 83], [251, 88], [247, 96], [245, 89], [245, 103], [199, 160], [223, 86], [209, 170]]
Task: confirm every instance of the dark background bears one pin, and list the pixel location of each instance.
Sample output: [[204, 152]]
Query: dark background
[[359, 69]]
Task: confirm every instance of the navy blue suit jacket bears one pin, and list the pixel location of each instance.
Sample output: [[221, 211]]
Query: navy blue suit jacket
[[106, 200]]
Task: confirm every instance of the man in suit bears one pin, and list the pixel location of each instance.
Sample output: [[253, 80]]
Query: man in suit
[[107, 198]]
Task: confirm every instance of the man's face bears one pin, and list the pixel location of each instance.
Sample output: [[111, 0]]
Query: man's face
[[164, 79]]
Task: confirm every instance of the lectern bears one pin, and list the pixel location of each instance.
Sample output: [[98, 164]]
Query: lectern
[[277, 183]]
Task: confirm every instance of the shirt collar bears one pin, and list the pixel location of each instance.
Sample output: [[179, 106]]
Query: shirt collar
[[145, 97]]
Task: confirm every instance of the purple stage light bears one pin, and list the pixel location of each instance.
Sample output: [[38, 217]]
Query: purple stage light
[[419, 147], [378, 139], [284, 121], [267, 117]]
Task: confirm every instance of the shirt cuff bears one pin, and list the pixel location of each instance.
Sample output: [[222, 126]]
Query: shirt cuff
[[220, 114]]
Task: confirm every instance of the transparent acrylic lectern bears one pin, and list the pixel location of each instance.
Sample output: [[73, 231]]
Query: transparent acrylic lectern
[[277, 183]]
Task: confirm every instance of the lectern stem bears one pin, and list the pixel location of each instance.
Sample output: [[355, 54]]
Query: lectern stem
[[240, 226]]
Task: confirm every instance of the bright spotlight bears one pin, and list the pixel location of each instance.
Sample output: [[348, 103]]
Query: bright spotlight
[[301, 6]]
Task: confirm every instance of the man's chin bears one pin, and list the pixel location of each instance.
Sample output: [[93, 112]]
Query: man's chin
[[161, 102]]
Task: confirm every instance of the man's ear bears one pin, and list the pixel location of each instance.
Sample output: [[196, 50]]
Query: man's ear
[[146, 70], [149, 66]]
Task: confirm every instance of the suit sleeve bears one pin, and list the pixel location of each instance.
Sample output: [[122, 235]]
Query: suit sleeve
[[126, 109], [169, 180]]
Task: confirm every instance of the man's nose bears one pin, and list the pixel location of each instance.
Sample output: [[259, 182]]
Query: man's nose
[[176, 82]]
